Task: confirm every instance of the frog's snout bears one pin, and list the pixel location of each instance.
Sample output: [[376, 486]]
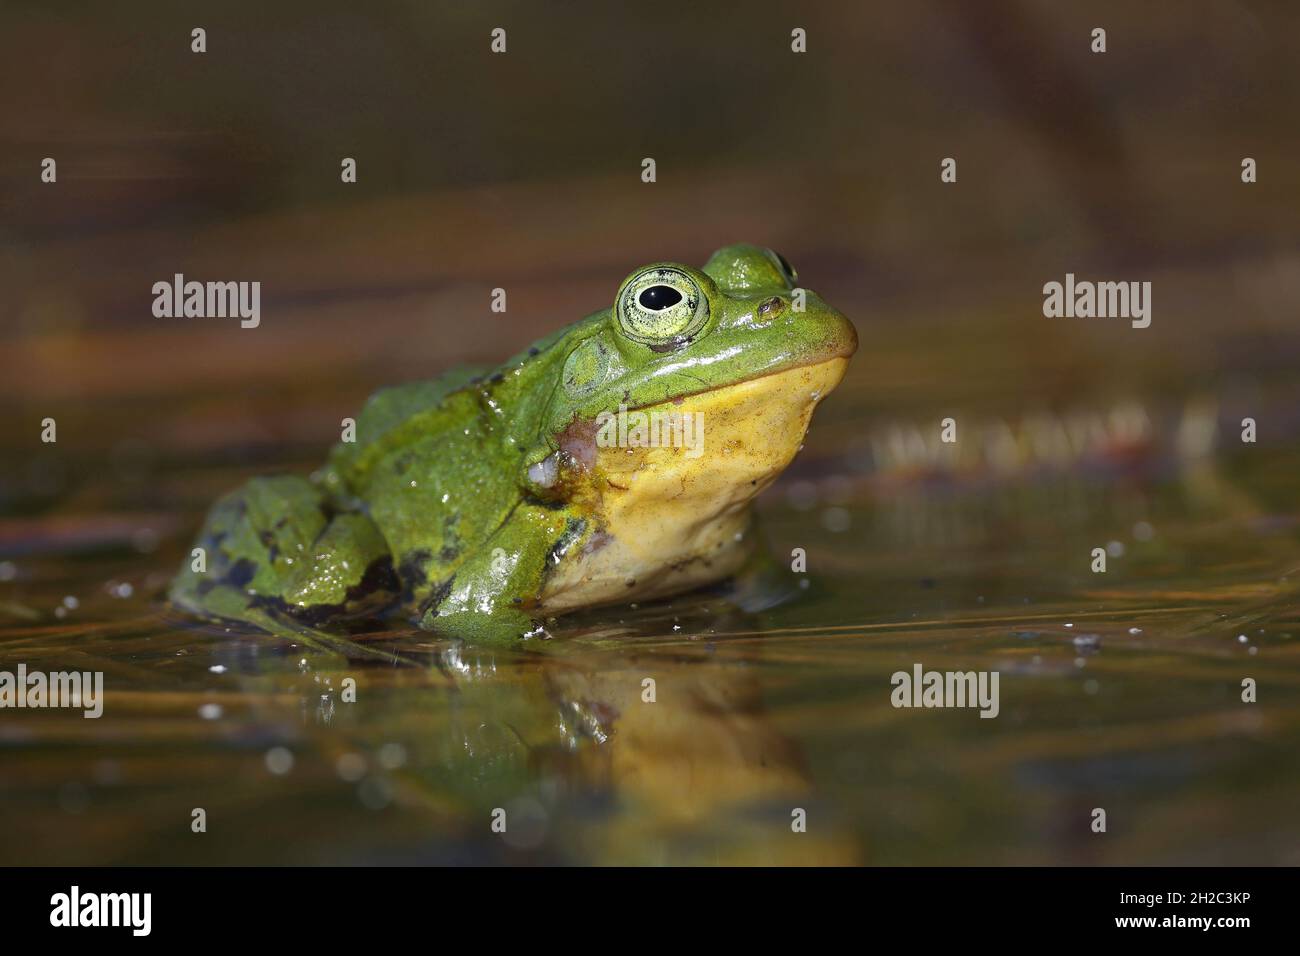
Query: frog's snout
[[836, 335], [825, 331]]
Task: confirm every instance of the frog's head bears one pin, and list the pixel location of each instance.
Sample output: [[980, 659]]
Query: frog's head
[[723, 367], [674, 332]]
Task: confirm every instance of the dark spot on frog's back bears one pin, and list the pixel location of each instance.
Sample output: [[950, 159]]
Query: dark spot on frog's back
[[573, 529], [241, 573], [411, 572], [452, 545], [544, 503], [268, 541], [433, 600], [379, 576], [402, 463], [369, 596]]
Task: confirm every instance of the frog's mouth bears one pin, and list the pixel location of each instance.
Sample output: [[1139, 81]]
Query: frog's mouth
[[742, 434], [671, 482], [759, 422]]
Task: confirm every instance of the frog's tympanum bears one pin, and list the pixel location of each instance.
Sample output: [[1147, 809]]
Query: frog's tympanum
[[612, 461]]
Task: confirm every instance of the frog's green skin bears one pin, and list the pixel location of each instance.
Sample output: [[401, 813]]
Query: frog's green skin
[[466, 501]]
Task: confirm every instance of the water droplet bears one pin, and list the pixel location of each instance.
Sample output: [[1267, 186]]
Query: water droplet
[[392, 756], [1087, 643], [350, 767], [279, 760], [836, 520]]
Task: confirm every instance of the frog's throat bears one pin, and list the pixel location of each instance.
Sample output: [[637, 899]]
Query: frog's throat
[[674, 516]]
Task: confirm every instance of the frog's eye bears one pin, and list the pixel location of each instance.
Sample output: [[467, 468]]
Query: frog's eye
[[788, 270], [662, 307]]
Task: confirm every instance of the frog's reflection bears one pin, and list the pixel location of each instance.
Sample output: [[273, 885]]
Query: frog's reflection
[[632, 757]]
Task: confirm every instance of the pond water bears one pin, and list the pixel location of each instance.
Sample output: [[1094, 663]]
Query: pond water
[[1118, 690]]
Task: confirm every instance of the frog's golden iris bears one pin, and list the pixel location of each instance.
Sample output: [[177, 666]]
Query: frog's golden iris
[[480, 503], [662, 307]]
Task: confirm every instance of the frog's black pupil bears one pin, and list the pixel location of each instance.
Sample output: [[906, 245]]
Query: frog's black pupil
[[659, 297]]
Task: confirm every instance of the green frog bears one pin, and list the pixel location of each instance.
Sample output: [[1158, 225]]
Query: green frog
[[612, 461]]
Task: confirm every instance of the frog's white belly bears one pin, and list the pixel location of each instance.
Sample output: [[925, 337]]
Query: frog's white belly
[[676, 517]]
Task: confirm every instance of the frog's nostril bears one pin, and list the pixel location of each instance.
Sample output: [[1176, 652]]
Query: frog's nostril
[[771, 306]]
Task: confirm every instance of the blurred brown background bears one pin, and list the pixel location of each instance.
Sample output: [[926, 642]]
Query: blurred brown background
[[522, 171]]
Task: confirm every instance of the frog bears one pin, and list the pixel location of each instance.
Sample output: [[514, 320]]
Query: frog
[[613, 461]]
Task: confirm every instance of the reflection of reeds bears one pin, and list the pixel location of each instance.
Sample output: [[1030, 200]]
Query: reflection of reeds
[[1001, 446]]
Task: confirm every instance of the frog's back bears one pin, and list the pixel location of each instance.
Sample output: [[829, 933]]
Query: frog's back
[[431, 466]]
